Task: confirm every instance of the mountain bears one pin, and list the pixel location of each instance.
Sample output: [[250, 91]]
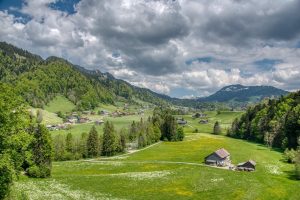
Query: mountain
[[38, 81], [245, 94]]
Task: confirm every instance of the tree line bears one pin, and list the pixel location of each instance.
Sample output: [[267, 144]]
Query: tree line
[[161, 126], [25, 144], [274, 122]]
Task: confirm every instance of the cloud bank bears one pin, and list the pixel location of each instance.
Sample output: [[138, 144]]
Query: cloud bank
[[176, 47]]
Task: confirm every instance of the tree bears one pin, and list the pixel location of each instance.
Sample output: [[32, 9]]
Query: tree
[[59, 147], [6, 175], [217, 128], [41, 153], [109, 139], [133, 131], [297, 165], [83, 145], [180, 134], [122, 141], [169, 128], [39, 116], [14, 138], [93, 143], [69, 142]]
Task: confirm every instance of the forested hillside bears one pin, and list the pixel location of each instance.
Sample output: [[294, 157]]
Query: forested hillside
[[273, 122], [38, 81]]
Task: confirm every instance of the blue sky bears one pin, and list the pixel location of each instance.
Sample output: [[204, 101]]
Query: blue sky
[[181, 48]]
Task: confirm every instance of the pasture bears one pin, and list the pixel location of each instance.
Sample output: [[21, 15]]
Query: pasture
[[168, 170]]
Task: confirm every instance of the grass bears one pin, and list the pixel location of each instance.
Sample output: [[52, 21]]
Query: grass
[[119, 123], [48, 117], [60, 103], [169, 170]]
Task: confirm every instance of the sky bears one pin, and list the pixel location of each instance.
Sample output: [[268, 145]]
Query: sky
[[182, 48]]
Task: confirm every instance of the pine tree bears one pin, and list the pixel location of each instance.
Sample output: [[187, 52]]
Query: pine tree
[[69, 142], [59, 147], [93, 144], [217, 128], [83, 145], [41, 153], [109, 140]]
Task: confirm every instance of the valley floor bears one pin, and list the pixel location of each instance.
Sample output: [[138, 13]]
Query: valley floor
[[168, 170]]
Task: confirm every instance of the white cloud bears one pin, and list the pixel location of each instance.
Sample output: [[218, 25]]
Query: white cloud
[[154, 39]]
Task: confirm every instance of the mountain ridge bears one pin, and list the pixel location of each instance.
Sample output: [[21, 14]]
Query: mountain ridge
[[241, 93]]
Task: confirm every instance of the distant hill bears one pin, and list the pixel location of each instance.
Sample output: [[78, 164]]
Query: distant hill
[[246, 94]]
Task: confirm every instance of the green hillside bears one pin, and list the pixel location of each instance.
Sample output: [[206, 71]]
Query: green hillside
[[169, 170], [60, 103]]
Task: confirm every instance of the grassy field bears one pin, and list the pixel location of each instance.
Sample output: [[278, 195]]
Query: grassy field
[[60, 103], [169, 170], [119, 122], [48, 117]]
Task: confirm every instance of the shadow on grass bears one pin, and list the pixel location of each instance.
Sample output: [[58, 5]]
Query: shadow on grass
[[291, 175]]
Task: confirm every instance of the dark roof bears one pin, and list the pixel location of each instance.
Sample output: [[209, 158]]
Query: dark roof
[[222, 153], [252, 162]]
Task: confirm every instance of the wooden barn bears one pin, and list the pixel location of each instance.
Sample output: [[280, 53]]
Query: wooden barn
[[221, 157], [246, 166]]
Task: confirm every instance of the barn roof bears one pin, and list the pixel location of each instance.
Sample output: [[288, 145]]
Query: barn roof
[[222, 153], [249, 161]]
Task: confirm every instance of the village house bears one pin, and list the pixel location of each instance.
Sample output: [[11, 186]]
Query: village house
[[99, 122], [221, 158], [199, 115], [181, 122], [84, 120], [246, 166], [203, 121], [104, 112]]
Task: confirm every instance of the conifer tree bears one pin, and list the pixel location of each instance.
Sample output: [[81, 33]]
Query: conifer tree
[[217, 128], [69, 142], [41, 153], [109, 146], [93, 143]]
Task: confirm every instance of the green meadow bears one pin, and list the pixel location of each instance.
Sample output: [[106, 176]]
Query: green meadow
[[168, 170], [60, 103]]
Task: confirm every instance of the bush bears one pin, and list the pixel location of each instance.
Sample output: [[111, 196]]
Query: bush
[[289, 155], [180, 134], [297, 165], [217, 128], [41, 171], [6, 175]]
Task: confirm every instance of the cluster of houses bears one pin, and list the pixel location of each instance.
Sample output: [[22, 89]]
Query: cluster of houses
[[221, 158]]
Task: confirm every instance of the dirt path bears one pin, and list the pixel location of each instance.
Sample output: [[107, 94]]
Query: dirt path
[[123, 155]]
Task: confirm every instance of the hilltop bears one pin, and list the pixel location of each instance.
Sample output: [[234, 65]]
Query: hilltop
[[241, 93]]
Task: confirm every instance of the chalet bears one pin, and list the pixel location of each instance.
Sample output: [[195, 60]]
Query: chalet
[[72, 119], [181, 122], [99, 122], [221, 157], [203, 121], [246, 166], [83, 120], [103, 112], [199, 115]]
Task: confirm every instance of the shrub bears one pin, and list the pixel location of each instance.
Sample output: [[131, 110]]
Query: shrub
[[41, 171], [297, 165], [289, 155], [217, 128], [6, 175]]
